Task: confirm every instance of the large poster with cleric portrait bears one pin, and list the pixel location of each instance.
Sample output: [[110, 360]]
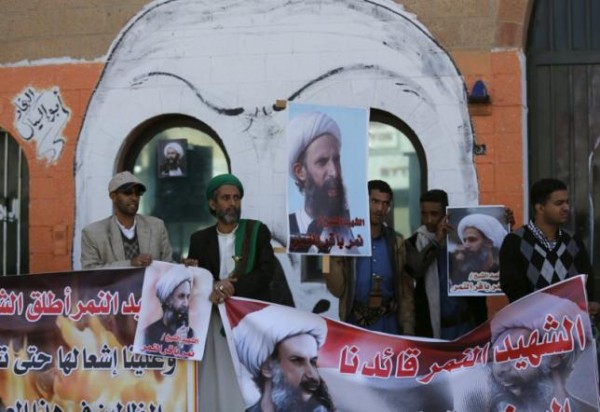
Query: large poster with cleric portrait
[[327, 198], [537, 354]]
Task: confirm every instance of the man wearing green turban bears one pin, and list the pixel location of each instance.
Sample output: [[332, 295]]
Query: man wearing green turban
[[236, 251], [239, 255]]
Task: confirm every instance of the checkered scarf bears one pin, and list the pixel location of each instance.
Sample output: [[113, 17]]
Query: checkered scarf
[[541, 237]]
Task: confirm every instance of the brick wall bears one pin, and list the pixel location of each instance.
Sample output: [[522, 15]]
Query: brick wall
[[78, 29], [84, 29]]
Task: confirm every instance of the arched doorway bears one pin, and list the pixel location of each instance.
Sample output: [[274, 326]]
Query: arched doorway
[[397, 157], [14, 210], [191, 69], [563, 77], [178, 199]]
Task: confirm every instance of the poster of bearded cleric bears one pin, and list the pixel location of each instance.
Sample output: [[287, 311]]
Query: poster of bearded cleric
[[175, 311], [537, 354], [327, 199], [473, 249], [66, 345]]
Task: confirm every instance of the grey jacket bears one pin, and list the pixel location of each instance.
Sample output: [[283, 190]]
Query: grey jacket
[[102, 244]]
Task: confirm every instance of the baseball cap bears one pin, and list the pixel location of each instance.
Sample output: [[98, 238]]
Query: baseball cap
[[124, 180]]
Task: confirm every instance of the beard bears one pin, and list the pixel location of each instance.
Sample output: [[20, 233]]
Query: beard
[[536, 395], [288, 398], [176, 318], [229, 216], [474, 261], [173, 162], [320, 203]]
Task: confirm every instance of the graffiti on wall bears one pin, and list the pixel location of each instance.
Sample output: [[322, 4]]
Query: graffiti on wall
[[41, 116]]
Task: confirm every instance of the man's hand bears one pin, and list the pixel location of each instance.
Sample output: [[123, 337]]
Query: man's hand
[[222, 289], [190, 262], [143, 260], [442, 229], [510, 216], [594, 308]]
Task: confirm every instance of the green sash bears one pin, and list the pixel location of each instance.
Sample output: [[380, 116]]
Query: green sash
[[245, 246]]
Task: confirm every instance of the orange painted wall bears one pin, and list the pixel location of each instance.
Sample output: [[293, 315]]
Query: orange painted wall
[[51, 186], [499, 126]]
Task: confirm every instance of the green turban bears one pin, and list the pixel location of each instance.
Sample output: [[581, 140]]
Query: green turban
[[220, 180]]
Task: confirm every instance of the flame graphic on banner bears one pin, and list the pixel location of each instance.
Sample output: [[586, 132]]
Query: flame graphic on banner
[[94, 387]]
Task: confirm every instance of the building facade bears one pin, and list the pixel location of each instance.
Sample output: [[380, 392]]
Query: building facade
[[88, 88]]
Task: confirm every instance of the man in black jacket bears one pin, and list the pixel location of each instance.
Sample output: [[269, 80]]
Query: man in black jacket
[[236, 251], [542, 253], [239, 255]]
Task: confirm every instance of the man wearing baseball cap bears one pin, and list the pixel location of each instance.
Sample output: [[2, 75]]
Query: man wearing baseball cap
[[125, 238]]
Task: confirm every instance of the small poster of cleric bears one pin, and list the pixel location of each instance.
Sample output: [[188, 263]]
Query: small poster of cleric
[[327, 199], [172, 160], [537, 354], [174, 312], [473, 249]]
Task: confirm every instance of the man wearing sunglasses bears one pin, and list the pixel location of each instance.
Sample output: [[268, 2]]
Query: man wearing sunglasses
[[125, 238]]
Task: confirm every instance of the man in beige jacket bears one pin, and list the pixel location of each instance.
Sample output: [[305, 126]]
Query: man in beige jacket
[[125, 238]]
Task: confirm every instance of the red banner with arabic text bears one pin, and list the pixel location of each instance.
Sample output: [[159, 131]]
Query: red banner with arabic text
[[536, 354]]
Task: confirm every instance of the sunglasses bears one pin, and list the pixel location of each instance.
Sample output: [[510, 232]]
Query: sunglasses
[[130, 192]]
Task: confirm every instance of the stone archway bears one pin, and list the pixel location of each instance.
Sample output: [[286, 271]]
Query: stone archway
[[226, 63], [512, 23]]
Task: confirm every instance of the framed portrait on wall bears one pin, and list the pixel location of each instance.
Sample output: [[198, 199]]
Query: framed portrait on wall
[[172, 160]]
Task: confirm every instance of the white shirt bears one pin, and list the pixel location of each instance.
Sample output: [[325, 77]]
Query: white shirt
[[128, 233], [226, 253], [303, 220]]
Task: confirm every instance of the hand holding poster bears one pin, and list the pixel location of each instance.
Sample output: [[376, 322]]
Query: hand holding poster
[[327, 146], [536, 354]]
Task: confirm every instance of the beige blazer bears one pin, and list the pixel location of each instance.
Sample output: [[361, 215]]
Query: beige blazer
[[102, 244]]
